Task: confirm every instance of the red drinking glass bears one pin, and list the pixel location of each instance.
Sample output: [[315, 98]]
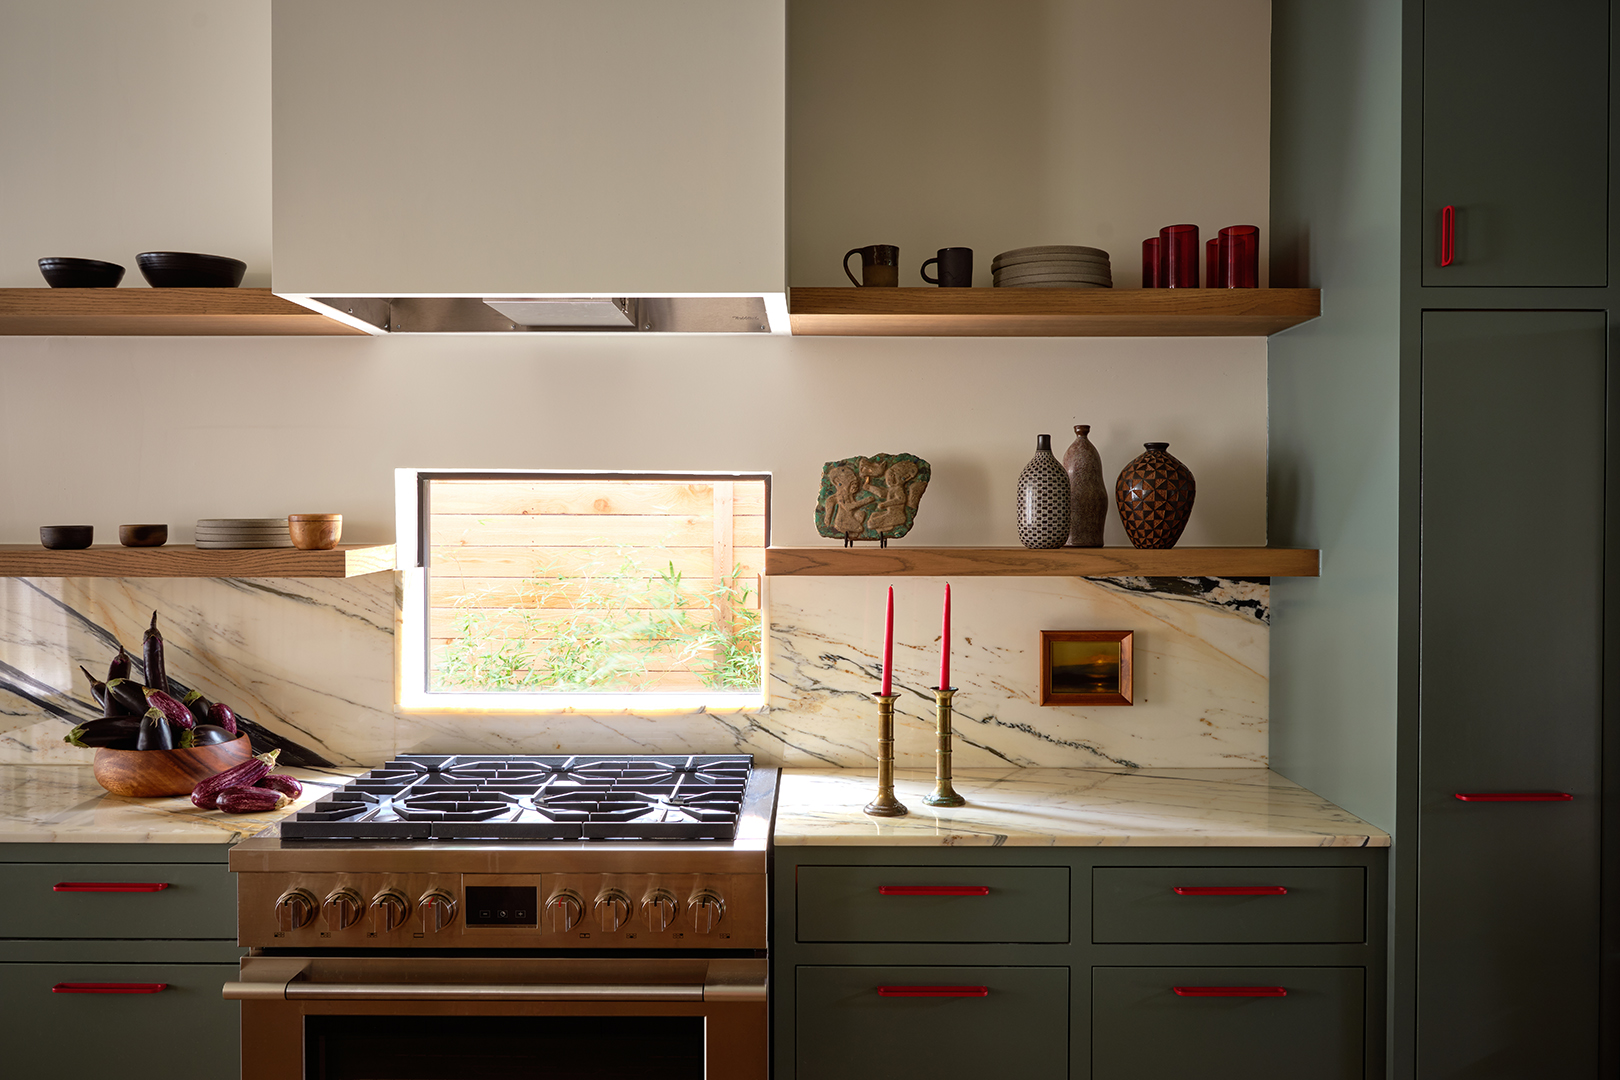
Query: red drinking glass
[[1240, 256], [1214, 269], [1150, 264], [1178, 256]]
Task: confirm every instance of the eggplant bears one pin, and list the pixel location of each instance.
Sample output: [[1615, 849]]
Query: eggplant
[[154, 732], [198, 705], [246, 774], [220, 714], [204, 735], [98, 689], [119, 732], [119, 668], [129, 694], [249, 800], [152, 654], [176, 713], [287, 785]]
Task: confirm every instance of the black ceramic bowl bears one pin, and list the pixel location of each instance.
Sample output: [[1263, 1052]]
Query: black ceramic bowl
[[66, 537], [143, 535], [80, 273], [185, 270]]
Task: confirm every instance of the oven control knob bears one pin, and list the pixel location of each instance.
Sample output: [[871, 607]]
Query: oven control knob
[[342, 908], [564, 910], [707, 910], [295, 909], [389, 910], [437, 909], [612, 909], [659, 907]]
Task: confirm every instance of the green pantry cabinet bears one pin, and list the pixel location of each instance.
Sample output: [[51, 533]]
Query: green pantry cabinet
[[88, 938], [1065, 963], [1445, 168]]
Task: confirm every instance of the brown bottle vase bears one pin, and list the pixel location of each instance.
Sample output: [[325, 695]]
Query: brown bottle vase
[[1154, 494], [1088, 491]]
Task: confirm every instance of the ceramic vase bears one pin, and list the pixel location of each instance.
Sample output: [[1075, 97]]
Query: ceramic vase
[[1088, 493], [1043, 499], [1155, 497]]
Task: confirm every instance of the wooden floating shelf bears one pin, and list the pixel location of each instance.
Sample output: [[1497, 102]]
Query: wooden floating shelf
[[1050, 312], [183, 560], [160, 312], [869, 560]]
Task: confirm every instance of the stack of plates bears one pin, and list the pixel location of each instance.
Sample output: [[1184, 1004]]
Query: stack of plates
[[243, 533], [1055, 266]]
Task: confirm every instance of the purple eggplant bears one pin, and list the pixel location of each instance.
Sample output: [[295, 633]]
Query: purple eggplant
[[154, 732], [118, 732], [119, 668], [204, 735], [220, 714], [174, 712], [198, 705], [152, 654]]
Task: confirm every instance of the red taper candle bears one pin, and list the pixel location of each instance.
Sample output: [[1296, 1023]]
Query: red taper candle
[[888, 643], [945, 643]]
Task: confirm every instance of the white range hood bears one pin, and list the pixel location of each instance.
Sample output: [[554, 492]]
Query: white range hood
[[627, 157]]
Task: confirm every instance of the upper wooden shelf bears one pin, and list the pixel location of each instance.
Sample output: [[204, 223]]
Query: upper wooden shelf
[[160, 312], [115, 561], [868, 560], [1050, 312]]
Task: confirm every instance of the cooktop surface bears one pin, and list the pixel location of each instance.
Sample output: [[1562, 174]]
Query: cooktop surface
[[534, 797]]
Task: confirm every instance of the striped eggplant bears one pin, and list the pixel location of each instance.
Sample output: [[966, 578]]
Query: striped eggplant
[[287, 785], [220, 714], [249, 800], [246, 774], [173, 711]]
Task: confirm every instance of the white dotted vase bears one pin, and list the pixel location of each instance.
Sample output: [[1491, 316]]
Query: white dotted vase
[[1043, 499]]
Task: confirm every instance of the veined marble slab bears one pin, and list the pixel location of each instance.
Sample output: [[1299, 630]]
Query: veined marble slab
[[64, 804], [1069, 808]]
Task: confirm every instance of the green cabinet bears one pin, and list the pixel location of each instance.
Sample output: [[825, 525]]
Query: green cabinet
[[900, 903], [1229, 904]]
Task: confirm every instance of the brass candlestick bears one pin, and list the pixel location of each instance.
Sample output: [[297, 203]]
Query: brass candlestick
[[886, 805], [943, 794]]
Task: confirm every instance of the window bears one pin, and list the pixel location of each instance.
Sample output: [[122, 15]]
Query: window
[[543, 591]]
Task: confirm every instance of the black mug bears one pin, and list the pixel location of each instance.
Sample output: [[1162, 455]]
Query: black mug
[[955, 268], [880, 266]]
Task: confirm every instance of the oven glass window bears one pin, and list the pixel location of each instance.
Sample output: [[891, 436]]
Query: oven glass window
[[503, 1047]]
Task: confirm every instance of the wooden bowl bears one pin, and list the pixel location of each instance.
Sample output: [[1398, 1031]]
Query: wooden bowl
[[143, 535], [315, 532], [146, 774]]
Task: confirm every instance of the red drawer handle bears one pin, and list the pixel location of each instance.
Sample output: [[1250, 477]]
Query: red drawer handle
[[1514, 796], [108, 988], [933, 890], [1448, 235], [1231, 890], [933, 991], [109, 886], [1230, 991]]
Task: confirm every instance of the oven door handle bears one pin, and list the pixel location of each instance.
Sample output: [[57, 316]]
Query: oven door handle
[[300, 990]]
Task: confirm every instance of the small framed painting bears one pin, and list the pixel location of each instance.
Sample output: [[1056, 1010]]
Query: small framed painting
[[1086, 667]]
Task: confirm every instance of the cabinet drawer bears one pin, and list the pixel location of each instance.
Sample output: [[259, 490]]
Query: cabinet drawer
[[1142, 904], [1141, 1027], [198, 901], [934, 903], [847, 1030], [185, 1030]]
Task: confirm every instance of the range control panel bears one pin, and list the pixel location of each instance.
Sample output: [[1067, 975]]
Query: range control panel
[[531, 911]]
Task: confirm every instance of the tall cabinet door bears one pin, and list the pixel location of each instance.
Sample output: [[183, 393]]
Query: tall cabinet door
[[1515, 137], [1512, 591]]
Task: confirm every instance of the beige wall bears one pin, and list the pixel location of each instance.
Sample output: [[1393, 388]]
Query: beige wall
[[994, 125]]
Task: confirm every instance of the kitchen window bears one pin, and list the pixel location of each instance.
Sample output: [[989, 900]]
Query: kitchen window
[[573, 591]]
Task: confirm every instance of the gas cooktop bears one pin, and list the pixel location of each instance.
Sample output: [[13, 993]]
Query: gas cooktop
[[540, 797]]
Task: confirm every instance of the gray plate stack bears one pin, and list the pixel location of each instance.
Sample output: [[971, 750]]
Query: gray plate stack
[[1053, 266], [243, 533]]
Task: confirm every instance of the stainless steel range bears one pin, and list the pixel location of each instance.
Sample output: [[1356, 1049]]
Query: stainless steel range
[[447, 916]]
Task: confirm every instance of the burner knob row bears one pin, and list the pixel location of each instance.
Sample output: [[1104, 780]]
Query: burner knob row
[[342, 908]]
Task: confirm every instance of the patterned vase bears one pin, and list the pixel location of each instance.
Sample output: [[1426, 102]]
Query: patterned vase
[[1155, 497], [1043, 499], [1088, 494]]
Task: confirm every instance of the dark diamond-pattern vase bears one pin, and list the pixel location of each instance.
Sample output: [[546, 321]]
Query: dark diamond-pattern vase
[[1154, 494], [1043, 499]]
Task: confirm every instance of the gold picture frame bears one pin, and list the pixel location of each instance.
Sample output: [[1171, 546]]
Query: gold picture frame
[[1086, 667]]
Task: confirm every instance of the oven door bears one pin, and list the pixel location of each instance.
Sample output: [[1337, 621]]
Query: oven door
[[453, 1017]]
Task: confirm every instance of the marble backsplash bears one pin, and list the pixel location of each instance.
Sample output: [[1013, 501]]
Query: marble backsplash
[[314, 659]]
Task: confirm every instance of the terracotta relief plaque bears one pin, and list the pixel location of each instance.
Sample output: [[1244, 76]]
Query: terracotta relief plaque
[[871, 498]]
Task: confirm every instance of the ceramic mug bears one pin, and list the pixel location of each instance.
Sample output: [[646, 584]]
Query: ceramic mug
[[880, 266], [955, 268]]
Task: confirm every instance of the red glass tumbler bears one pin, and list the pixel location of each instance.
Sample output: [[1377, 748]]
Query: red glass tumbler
[[1214, 269], [1178, 257], [1240, 256], [1150, 264]]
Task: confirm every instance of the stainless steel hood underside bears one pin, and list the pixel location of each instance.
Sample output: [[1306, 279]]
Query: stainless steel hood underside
[[522, 315]]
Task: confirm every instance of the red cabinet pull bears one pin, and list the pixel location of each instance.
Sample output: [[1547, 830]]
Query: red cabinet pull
[[1231, 890], [1448, 234], [933, 890], [1514, 796], [1230, 991], [109, 886], [108, 988], [933, 991]]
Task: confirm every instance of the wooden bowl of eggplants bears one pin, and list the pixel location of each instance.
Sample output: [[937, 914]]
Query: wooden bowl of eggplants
[[145, 774]]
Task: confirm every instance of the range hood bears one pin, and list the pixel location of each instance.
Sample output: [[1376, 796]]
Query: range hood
[[532, 166]]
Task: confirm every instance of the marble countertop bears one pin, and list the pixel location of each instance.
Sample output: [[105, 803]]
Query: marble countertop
[[1069, 808], [64, 804]]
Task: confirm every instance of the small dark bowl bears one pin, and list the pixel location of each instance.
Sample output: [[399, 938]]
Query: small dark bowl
[[66, 537], [80, 273], [143, 535], [185, 270]]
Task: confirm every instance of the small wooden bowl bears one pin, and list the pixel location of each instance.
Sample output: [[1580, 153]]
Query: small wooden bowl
[[66, 537], [315, 532], [143, 535], [146, 774]]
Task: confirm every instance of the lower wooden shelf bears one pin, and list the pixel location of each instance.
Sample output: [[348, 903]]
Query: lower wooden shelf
[[160, 312], [897, 561], [183, 560]]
